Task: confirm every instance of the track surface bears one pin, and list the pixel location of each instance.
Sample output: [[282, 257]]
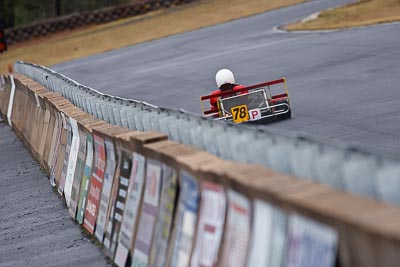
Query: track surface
[[35, 226], [344, 85]]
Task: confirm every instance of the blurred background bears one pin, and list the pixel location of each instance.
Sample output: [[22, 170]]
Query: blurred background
[[15, 13]]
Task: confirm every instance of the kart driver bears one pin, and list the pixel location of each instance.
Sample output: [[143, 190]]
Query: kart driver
[[225, 82]]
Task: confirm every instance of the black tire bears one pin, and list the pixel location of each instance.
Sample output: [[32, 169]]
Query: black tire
[[286, 115]]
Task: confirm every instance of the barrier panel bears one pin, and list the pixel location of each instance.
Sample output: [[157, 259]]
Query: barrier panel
[[5, 91], [180, 236], [53, 137], [104, 139], [60, 154], [80, 164], [86, 130], [151, 201], [19, 108]]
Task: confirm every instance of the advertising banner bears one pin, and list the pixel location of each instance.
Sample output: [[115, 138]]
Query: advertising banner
[[278, 239], [61, 151], [237, 230], [66, 157], [108, 180], [51, 147], [73, 157], [43, 135], [268, 235], [186, 218], [130, 217], [148, 214], [50, 136], [11, 101], [108, 241], [166, 210], [56, 148], [210, 225], [80, 166], [310, 243], [96, 184], [87, 172]]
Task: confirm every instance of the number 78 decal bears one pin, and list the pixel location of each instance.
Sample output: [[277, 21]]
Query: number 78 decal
[[240, 114]]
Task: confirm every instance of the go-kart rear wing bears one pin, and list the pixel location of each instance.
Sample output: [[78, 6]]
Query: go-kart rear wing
[[248, 88]]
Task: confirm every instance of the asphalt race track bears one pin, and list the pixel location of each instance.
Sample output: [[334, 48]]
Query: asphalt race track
[[344, 85], [35, 226]]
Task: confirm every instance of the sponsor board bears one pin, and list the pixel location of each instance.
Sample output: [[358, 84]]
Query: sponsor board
[[166, 210], [130, 217], [278, 238], [186, 218], [87, 171], [268, 240], [80, 166], [148, 214], [237, 230], [11, 100], [73, 157], [66, 156], [96, 184], [310, 243], [210, 225], [55, 159], [103, 213], [118, 200], [61, 152]]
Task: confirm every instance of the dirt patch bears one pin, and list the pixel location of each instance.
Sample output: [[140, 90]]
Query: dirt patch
[[91, 40], [362, 13]]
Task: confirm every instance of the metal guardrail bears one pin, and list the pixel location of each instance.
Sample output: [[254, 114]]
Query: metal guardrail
[[345, 167]]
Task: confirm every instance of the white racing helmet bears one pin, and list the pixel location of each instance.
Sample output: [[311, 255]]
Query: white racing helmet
[[224, 76]]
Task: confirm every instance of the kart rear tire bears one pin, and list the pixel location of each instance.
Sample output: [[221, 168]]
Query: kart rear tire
[[286, 115]]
